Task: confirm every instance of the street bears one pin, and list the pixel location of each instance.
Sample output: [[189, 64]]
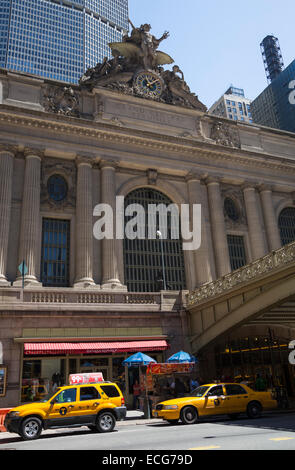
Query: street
[[271, 432]]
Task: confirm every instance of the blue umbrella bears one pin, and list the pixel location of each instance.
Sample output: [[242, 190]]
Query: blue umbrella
[[138, 359], [181, 357]]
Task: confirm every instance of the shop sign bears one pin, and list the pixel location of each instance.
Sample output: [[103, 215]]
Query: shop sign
[[157, 369], [87, 378]]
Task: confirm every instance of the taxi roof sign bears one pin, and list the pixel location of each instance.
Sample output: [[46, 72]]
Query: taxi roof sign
[[87, 378]]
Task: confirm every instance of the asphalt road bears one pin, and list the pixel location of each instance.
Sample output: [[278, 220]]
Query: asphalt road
[[271, 432]]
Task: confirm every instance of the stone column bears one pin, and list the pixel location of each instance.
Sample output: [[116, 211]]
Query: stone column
[[218, 227], [110, 273], [255, 224], [29, 248], [84, 224], [6, 175], [270, 220], [201, 258]]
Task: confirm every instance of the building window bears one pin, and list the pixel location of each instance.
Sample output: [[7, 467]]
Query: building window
[[287, 225], [55, 253], [57, 188], [142, 257], [237, 252]]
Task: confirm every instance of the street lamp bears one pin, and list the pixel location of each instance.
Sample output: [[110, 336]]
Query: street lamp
[[159, 234]]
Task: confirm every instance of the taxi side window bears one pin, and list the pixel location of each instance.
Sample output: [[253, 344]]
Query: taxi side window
[[66, 396], [215, 391], [89, 393], [235, 390]]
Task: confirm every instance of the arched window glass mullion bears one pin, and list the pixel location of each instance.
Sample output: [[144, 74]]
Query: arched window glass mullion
[[142, 258], [287, 225]]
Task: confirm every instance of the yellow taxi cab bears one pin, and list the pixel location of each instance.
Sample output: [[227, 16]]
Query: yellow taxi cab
[[215, 399], [96, 405]]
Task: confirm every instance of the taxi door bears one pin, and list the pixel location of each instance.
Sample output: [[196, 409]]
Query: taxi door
[[63, 409], [215, 401], [89, 402], [237, 398]]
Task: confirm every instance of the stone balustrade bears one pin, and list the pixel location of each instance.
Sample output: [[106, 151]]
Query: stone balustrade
[[29, 298]]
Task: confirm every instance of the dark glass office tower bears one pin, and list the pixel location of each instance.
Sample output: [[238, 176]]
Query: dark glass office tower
[[274, 107], [59, 39]]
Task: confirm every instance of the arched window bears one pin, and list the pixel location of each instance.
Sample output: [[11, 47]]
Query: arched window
[[143, 257], [287, 225]]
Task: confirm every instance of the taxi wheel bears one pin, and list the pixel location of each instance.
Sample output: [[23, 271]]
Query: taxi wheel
[[31, 428], [254, 409], [105, 422], [189, 415]]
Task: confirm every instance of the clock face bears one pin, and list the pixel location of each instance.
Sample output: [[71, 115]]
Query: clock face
[[149, 84]]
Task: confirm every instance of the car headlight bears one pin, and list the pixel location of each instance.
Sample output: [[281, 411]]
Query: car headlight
[[12, 414], [170, 407]]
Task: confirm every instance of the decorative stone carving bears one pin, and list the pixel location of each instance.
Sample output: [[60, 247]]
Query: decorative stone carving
[[236, 195], [61, 100], [68, 171], [275, 260], [152, 175], [224, 134], [136, 69]]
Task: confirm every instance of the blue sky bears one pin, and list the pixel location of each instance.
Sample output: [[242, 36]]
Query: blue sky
[[216, 43]]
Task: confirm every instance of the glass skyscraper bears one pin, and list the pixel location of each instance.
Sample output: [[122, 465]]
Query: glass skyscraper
[[273, 107], [59, 39]]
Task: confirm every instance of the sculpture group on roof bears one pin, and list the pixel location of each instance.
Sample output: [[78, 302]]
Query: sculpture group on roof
[[137, 69]]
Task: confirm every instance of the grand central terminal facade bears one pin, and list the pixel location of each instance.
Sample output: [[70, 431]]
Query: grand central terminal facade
[[85, 304]]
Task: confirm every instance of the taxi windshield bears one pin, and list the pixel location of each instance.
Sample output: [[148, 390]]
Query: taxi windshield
[[48, 396], [199, 392]]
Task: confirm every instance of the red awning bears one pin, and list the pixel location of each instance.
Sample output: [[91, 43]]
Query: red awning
[[94, 348]]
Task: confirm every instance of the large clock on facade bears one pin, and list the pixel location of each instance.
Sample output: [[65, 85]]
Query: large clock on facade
[[148, 84]]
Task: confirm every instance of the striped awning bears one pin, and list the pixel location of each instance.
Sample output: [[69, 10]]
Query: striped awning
[[94, 347]]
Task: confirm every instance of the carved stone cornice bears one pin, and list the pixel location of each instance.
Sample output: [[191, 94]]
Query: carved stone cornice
[[108, 134]]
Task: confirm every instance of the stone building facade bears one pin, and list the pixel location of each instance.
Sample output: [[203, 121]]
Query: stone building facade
[[63, 151]]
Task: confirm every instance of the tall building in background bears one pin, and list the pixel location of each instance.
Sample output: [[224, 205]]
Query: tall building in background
[[59, 39], [273, 107], [233, 105], [272, 57]]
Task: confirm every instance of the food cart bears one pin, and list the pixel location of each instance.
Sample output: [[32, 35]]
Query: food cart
[[159, 380]]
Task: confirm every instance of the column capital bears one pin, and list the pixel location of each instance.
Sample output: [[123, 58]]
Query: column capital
[[84, 160], [8, 148], [32, 152], [109, 164], [264, 187], [213, 180], [195, 175], [249, 185]]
